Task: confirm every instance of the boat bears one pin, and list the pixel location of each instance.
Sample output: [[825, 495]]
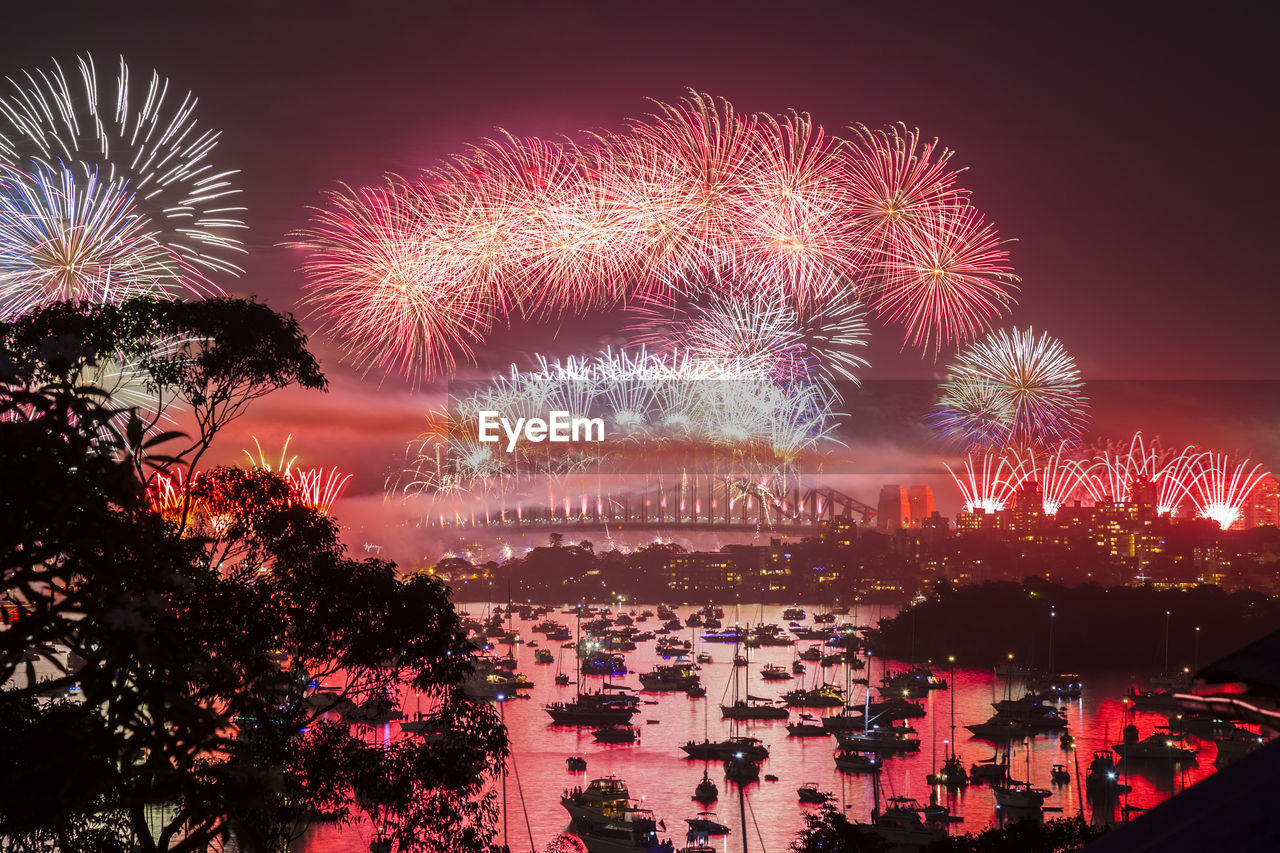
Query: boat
[[876, 739], [991, 770], [1062, 685], [741, 771], [594, 709], [576, 763], [810, 793], [998, 730], [914, 683], [826, 696], [773, 672], [543, 656], [903, 822], [703, 657], [603, 816], [1102, 781], [562, 680], [794, 614], [847, 720], [695, 691], [706, 824], [604, 663], [807, 727], [857, 761], [616, 734], [1236, 746], [488, 681], [797, 667], [951, 775], [754, 708], [895, 708], [1155, 747], [1020, 796], [706, 792], [750, 748], [680, 676], [813, 654], [1011, 670]]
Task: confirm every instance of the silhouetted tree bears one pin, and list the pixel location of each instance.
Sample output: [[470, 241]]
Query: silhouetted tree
[[195, 643]]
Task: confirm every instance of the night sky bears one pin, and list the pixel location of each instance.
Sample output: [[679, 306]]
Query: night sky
[[1129, 148]]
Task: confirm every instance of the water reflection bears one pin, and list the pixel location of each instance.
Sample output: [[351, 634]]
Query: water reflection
[[658, 772]]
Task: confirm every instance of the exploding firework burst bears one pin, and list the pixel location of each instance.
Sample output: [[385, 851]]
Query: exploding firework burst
[[694, 201], [946, 281], [651, 404], [63, 237], [1012, 389], [121, 188], [767, 335]]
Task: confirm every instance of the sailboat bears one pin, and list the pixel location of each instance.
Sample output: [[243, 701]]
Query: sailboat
[[753, 707], [952, 776], [593, 709]]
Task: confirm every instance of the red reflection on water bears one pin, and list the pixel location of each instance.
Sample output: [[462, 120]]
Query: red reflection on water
[[658, 773]]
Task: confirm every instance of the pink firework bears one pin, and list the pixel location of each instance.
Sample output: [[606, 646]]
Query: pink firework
[[987, 482], [383, 268], [1174, 480], [1223, 485], [316, 488], [1059, 475], [795, 208], [693, 200], [945, 281], [319, 488], [898, 183]]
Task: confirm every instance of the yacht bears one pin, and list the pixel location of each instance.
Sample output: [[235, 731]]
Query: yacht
[[856, 761], [773, 672], [1020, 796], [603, 816], [594, 709], [1160, 746], [826, 696], [875, 739], [750, 748], [680, 676]]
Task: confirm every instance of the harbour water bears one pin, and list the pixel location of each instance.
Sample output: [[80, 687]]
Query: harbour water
[[658, 772]]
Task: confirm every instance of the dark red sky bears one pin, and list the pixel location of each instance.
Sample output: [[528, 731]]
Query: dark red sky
[[1129, 147]]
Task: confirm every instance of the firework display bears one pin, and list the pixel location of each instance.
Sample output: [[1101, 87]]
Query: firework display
[[677, 407], [1011, 389], [107, 191], [1190, 481], [695, 201], [316, 488], [207, 493]]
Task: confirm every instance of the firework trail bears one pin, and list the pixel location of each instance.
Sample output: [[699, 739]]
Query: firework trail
[[1222, 486], [987, 482], [1011, 389], [108, 192], [1059, 475], [691, 202], [315, 488]]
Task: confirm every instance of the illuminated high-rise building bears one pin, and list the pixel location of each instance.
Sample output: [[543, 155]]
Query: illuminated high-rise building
[[894, 509], [1263, 505], [922, 504]]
